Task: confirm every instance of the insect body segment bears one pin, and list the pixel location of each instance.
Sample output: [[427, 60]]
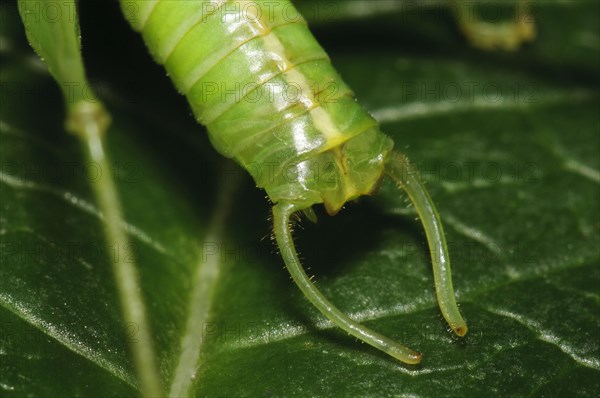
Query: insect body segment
[[256, 77], [286, 115]]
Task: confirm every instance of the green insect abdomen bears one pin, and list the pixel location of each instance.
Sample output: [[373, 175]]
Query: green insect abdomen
[[268, 94]]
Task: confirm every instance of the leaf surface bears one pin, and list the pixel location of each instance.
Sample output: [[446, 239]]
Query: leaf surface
[[513, 164]]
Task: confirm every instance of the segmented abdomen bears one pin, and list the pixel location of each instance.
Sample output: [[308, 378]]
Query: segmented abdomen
[[256, 77]]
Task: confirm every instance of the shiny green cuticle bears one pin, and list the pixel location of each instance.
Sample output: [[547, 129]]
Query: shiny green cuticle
[[257, 78]]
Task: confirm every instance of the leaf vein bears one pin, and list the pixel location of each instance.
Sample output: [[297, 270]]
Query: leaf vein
[[547, 336]]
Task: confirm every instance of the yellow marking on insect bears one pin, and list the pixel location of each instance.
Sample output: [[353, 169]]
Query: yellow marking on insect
[[347, 182], [320, 117], [261, 27], [325, 125]]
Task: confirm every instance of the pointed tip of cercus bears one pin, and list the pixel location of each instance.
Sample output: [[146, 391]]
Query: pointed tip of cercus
[[460, 330], [415, 358]]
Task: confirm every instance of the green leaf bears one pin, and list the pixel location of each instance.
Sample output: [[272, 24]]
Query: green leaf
[[513, 165]]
